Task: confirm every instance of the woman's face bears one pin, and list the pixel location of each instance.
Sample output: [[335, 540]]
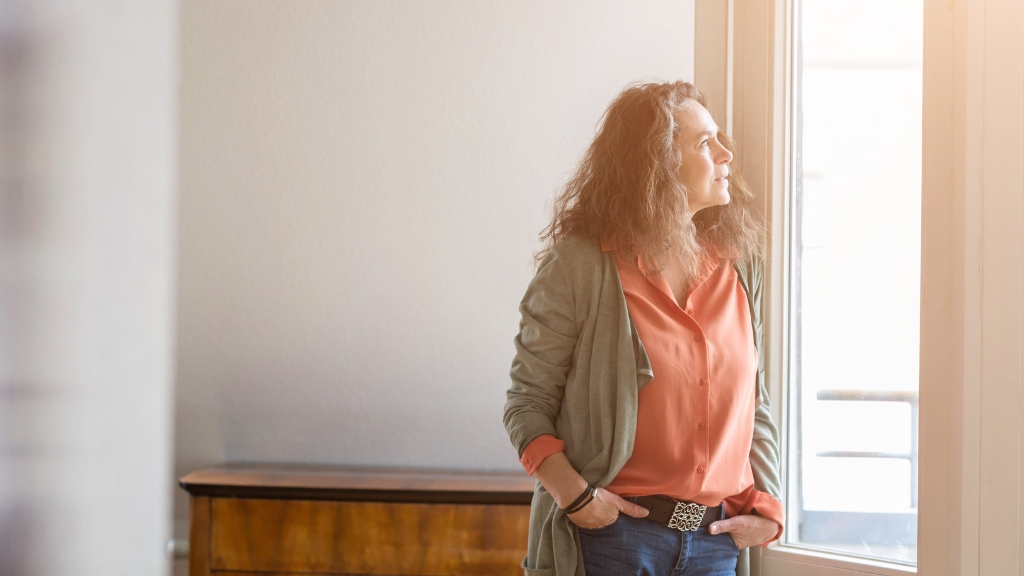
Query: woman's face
[[705, 162]]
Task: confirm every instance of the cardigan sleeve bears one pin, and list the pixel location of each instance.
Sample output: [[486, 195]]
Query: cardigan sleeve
[[764, 453], [764, 446], [544, 347]]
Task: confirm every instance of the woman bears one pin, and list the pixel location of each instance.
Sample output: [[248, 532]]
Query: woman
[[637, 395]]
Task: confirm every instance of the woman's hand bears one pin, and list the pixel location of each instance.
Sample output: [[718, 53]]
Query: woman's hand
[[565, 485], [746, 530], [605, 509]]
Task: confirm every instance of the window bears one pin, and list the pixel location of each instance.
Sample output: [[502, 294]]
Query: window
[[854, 277]]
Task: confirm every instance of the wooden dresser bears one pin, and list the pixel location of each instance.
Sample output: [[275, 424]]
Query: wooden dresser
[[278, 520]]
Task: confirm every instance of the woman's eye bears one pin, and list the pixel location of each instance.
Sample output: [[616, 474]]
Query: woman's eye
[[704, 144]]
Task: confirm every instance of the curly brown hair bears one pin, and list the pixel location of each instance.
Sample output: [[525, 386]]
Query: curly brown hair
[[627, 192]]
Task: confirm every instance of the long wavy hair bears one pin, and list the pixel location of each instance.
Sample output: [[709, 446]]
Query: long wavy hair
[[627, 193]]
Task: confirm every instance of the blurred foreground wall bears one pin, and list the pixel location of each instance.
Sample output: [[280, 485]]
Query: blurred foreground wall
[[87, 251]]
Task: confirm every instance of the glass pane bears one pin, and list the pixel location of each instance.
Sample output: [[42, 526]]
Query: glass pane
[[856, 277]]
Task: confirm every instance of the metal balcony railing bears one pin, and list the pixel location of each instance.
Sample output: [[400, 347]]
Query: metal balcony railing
[[908, 396]]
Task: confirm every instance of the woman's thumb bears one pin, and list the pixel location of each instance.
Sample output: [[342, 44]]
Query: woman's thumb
[[720, 526], [631, 509]]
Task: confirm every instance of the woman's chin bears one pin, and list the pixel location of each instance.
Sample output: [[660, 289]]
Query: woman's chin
[[716, 198], [721, 199]]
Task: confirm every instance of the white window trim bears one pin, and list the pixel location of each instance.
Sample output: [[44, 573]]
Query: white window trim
[[972, 317]]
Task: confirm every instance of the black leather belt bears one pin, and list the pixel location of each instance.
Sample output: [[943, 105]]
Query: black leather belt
[[682, 516]]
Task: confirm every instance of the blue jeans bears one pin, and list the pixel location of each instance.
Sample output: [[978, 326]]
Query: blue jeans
[[637, 547]]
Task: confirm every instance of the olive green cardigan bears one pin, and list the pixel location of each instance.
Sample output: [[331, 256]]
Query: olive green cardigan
[[578, 368]]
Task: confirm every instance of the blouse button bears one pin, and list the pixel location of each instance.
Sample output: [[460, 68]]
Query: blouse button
[[700, 469], [703, 382], [697, 338], [700, 426]]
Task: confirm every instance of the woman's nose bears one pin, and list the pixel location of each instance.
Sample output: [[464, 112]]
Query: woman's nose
[[724, 156]]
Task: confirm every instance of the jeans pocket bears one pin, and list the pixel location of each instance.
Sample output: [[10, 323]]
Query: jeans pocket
[[601, 529], [732, 542]]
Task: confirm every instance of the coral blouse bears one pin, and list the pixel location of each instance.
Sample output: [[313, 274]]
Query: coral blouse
[[695, 418]]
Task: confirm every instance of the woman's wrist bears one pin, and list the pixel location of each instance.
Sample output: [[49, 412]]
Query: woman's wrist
[[569, 492], [560, 479], [581, 501]]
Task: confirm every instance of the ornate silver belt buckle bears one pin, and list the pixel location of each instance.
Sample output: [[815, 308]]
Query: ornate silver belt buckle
[[687, 516]]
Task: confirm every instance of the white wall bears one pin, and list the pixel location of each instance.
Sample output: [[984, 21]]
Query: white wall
[[87, 252], [362, 184]]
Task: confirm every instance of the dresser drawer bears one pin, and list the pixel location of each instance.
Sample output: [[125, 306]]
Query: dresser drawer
[[394, 538]]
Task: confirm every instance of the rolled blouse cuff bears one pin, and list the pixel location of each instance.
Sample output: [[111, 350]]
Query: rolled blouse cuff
[[753, 501], [537, 450]]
